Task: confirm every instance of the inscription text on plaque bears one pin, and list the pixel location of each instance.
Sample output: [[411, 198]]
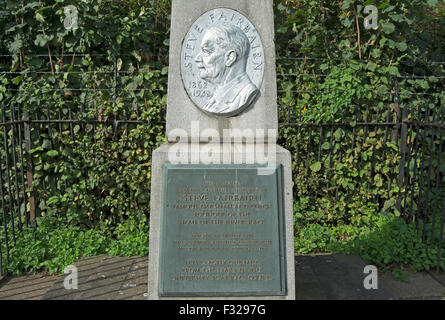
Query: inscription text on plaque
[[222, 231]]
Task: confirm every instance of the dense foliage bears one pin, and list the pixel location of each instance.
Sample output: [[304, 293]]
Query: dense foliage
[[95, 175], [333, 70], [53, 246], [91, 172]]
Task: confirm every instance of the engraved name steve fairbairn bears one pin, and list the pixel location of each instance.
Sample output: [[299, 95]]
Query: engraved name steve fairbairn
[[222, 63]]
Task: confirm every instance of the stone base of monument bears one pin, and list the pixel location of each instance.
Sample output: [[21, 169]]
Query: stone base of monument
[[222, 230]]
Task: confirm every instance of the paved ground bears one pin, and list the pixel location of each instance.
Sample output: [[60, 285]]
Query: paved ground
[[320, 277], [29, 287], [340, 277]]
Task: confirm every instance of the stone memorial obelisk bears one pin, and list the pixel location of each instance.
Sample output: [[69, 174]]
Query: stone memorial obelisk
[[221, 219]]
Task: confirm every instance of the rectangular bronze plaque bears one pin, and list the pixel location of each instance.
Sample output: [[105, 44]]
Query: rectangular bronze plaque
[[222, 231]]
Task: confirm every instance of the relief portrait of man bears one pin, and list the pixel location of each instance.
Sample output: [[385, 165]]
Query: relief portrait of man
[[222, 61]]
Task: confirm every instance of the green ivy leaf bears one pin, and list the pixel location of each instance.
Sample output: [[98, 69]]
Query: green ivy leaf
[[282, 29], [338, 134], [388, 27], [281, 7], [119, 64], [378, 180], [42, 40], [39, 17], [16, 45], [316, 166], [17, 80], [394, 71], [372, 66], [402, 46], [346, 4], [52, 153], [325, 146], [36, 150]]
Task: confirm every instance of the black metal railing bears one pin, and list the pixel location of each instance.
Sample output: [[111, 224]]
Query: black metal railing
[[412, 138]]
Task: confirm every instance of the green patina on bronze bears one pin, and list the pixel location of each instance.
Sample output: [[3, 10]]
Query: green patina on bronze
[[222, 231]]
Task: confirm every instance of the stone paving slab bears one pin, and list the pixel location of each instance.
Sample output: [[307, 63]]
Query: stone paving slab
[[105, 278], [438, 276], [334, 277], [27, 287], [340, 277], [318, 277], [419, 286], [136, 283]]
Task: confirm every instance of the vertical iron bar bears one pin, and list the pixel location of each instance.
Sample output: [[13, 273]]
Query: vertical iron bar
[[442, 224], [384, 153], [340, 155], [438, 178], [401, 174], [137, 111], [414, 179], [330, 146], [308, 148], [11, 199], [376, 131], [319, 143], [14, 161], [396, 127], [430, 165], [39, 129], [60, 122], [83, 130], [409, 149], [396, 109], [126, 123], [70, 115], [422, 169], [52, 182], [50, 133], [22, 170], [59, 114], [93, 126], [299, 137], [29, 168], [341, 149], [354, 130], [288, 115], [365, 136], [115, 123], [319, 151], [1, 261], [82, 126], [5, 226], [442, 220]]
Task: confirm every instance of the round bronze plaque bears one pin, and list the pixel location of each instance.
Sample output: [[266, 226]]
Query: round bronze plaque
[[222, 63]]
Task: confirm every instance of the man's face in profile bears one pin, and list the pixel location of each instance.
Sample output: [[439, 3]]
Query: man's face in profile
[[211, 59]]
